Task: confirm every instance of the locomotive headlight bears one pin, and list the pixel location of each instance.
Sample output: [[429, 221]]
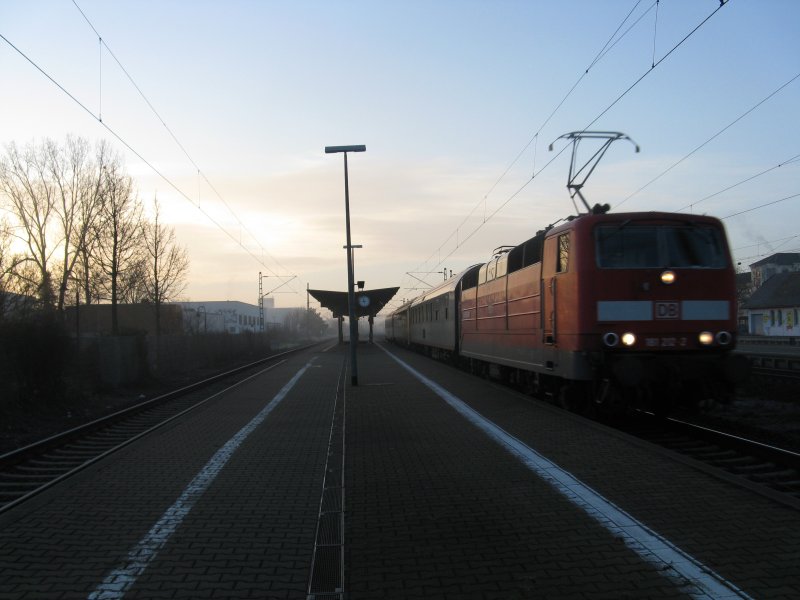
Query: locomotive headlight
[[610, 339], [706, 338], [668, 277], [628, 339], [724, 338]]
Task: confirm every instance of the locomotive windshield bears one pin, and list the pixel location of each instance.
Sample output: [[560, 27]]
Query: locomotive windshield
[[631, 246]]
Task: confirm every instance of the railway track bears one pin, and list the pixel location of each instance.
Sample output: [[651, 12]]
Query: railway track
[[776, 366], [765, 468], [32, 469]]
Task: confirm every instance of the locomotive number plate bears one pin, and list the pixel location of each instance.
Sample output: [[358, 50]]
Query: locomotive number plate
[[668, 310], [666, 342]]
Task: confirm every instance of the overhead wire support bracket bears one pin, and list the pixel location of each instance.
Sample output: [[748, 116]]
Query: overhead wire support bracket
[[574, 182], [412, 274]]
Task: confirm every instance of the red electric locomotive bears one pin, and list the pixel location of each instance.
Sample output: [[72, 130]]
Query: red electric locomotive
[[605, 310]]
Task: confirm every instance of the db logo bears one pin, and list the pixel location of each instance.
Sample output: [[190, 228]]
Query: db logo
[[668, 310]]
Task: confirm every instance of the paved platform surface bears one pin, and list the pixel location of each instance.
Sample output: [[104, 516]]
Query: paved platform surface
[[225, 503]]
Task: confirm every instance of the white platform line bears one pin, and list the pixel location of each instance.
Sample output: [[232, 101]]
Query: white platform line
[[120, 580], [689, 574]]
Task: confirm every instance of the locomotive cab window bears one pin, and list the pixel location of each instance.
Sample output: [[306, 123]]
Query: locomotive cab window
[[563, 253], [630, 246]]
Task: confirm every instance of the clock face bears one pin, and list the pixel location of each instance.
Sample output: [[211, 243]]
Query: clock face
[[363, 301]]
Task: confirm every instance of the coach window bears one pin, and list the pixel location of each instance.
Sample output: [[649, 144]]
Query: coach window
[[563, 253]]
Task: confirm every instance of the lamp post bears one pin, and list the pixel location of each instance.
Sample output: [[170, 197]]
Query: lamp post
[[351, 308]]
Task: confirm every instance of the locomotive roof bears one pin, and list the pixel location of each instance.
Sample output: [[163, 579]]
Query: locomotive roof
[[586, 219], [442, 288], [632, 216]]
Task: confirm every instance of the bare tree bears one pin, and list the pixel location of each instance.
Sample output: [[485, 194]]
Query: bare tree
[[53, 192], [118, 233], [167, 263], [7, 264], [132, 289], [77, 180], [31, 198]]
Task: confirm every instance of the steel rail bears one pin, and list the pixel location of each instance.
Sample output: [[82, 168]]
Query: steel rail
[[765, 468], [19, 457]]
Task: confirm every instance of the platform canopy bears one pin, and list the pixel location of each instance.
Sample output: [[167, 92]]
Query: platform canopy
[[368, 302]]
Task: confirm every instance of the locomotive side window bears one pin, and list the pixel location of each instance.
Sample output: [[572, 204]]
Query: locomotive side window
[[515, 259], [563, 253], [533, 250], [648, 246], [524, 255], [470, 279]]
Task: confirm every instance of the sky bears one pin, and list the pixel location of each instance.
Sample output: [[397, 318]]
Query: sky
[[222, 110]]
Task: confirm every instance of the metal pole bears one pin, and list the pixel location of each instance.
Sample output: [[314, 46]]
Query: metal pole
[[350, 295]]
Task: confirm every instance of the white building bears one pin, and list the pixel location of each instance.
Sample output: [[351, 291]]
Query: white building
[[773, 308], [230, 316]]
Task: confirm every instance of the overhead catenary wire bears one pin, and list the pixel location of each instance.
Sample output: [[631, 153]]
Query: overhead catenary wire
[[603, 51], [657, 63], [174, 137], [763, 254], [712, 138], [742, 212], [134, 151], [586, 128], [607, 47], [789, 161], [783, 241]]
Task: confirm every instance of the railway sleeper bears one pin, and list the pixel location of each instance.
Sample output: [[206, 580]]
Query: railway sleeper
[[21, 478], [12, 491], [779, 477], [35, 471], [756, 469]]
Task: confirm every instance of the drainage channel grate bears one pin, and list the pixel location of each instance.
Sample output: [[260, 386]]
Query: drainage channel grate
[[327, 566]]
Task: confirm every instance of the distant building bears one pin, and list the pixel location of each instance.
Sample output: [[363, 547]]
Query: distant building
[[782, 262], [773, 308], [230, 316]]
